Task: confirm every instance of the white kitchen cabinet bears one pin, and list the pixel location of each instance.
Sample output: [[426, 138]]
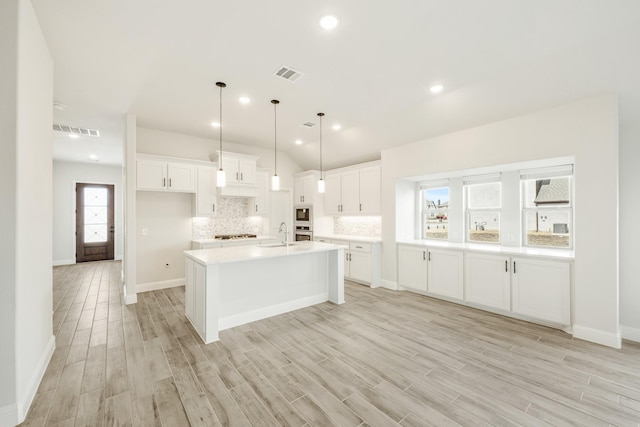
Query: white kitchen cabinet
[[258, 205], [205, 200], [360, 265], [305, 189], [542, 289], [353, 192], [412, 267], [239, 168], [158, 175], [194, 295], [444, 273], [487, 280]]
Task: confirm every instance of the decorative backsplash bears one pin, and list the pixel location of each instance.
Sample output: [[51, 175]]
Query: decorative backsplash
[[231, 219], [366, 226]]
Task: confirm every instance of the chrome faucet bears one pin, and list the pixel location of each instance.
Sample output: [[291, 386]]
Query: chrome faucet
[[283, 229]]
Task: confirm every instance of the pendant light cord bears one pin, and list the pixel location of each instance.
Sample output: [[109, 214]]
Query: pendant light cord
[[220, 85], [320, 115], [275, 138]]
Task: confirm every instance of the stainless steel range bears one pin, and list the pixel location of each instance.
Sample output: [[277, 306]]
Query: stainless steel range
[[235, 236]]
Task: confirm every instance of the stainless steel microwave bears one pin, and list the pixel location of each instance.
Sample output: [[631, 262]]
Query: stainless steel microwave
[[303, 215]]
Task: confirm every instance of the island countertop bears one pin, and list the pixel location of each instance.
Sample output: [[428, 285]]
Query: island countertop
[[244, 253]]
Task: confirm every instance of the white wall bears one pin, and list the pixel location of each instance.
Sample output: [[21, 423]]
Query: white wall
[[586, 130], [26, 97], [65, 177], [630, 231]]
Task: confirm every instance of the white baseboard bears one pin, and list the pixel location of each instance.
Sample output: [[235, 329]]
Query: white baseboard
[[629, 333], [389, 284], [154, 286], [597, 336], [14, 414], [128, 298], [63, 262], [273, 310]]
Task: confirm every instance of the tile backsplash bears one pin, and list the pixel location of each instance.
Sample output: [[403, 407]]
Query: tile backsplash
[[231, 219], [366, 226]]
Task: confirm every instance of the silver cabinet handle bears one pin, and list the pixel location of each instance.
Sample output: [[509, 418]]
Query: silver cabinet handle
[[236, 176], [358, 247], [424, 255], [241, 177], [429, 255], [169, 182], [256, 208], [360, 207], [213, 207], [164, 182], [514, 267], [506, 266]]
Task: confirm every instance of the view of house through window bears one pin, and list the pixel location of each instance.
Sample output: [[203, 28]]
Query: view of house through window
[[547, 212], [435, 213], [483, 202]]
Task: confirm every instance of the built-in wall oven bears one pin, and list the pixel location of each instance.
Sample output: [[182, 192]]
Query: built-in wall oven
[[303, 233]]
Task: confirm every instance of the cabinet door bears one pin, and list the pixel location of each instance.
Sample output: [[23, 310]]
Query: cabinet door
[[181, 178], [310, 185], [230, 167], [247, 171], [206, 192], [200, 280], [298, 190], [487, 280], [542, 289], [188, 288], [412, 267], [259, 203], [445, 273], [360, 266], [151, 175], [350, 194], [333, 194], [370, 191]]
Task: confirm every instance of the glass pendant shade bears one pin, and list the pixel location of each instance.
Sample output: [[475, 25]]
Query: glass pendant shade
[[275, 183], [221, 178], [321, 185]]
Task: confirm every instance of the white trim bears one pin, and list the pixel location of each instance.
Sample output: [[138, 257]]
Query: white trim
[[597, 336], [131, 299], [629, 333], [64, 262], [388, 284], [154, 286], [273, 310], [9, 416]]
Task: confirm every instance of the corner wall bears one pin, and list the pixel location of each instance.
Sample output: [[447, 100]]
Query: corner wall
[[587, 130]]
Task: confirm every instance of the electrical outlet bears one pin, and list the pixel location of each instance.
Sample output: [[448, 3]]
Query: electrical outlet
[[510, 237]]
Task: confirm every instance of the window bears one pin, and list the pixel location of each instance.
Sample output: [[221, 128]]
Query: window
[[547, 207], [483, 203], [435, 212]]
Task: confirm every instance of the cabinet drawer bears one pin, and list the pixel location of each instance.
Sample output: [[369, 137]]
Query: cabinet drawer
[[360, 247]]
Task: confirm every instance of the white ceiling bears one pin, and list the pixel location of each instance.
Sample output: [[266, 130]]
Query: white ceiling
[[160, 59]]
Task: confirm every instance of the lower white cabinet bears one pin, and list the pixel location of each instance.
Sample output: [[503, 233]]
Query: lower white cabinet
[[541, 289], [487, 280], [194, 295], [361, 260], [412, 267], [444, 273]]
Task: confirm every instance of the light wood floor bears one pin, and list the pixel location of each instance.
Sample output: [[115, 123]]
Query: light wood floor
[[382, 358]]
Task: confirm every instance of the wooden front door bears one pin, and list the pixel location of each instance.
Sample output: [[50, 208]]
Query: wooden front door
[[94, 222]]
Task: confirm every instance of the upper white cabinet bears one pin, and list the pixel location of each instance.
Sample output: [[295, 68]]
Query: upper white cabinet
[[412, 267], [542, 289], [354, 191], [305, 189], [239, 168], [206, 200], [445, 273], [161, 175], [259, 205], [487, 280]]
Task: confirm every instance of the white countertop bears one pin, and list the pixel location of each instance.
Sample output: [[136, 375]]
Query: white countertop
[[244, 253], [249, 239], [493, 249], [362, 239]]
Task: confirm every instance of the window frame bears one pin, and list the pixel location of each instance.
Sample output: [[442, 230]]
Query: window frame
[[433, 185], [469, 182]]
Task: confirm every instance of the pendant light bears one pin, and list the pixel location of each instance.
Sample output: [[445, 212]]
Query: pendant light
[[275, 179], [321, 180], [221, 179]]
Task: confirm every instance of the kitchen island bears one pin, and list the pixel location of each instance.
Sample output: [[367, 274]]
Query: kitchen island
[[227, 287]]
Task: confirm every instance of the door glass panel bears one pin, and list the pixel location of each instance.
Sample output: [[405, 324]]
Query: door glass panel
[[95, 215]]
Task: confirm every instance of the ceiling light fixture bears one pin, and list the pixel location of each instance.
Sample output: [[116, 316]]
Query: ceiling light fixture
[[436, 88], [59, 105], [221, 179], [275, 179], [329, 22], [74, 136], [298, 142], [244, 100], [321, 180], [336, 126]]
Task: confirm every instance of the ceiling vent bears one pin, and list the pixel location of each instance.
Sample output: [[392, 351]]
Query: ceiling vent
[[75, 130], [288, 74], [308, 124]]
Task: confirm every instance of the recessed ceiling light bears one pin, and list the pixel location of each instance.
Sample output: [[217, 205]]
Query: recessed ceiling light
[[336, 126], [59, 105], [329, 22], [93, 157], [298, 142], [215, 124], [74, 136], [244, 100], [436, 88]]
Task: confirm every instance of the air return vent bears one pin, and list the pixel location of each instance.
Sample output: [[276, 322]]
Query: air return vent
[[75, 130], [288, 74], [308, 124]]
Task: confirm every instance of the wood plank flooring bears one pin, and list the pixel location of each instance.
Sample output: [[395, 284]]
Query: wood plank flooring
[[383, 358]]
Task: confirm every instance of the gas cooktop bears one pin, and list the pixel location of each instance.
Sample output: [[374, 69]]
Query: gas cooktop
[[235, 236]]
